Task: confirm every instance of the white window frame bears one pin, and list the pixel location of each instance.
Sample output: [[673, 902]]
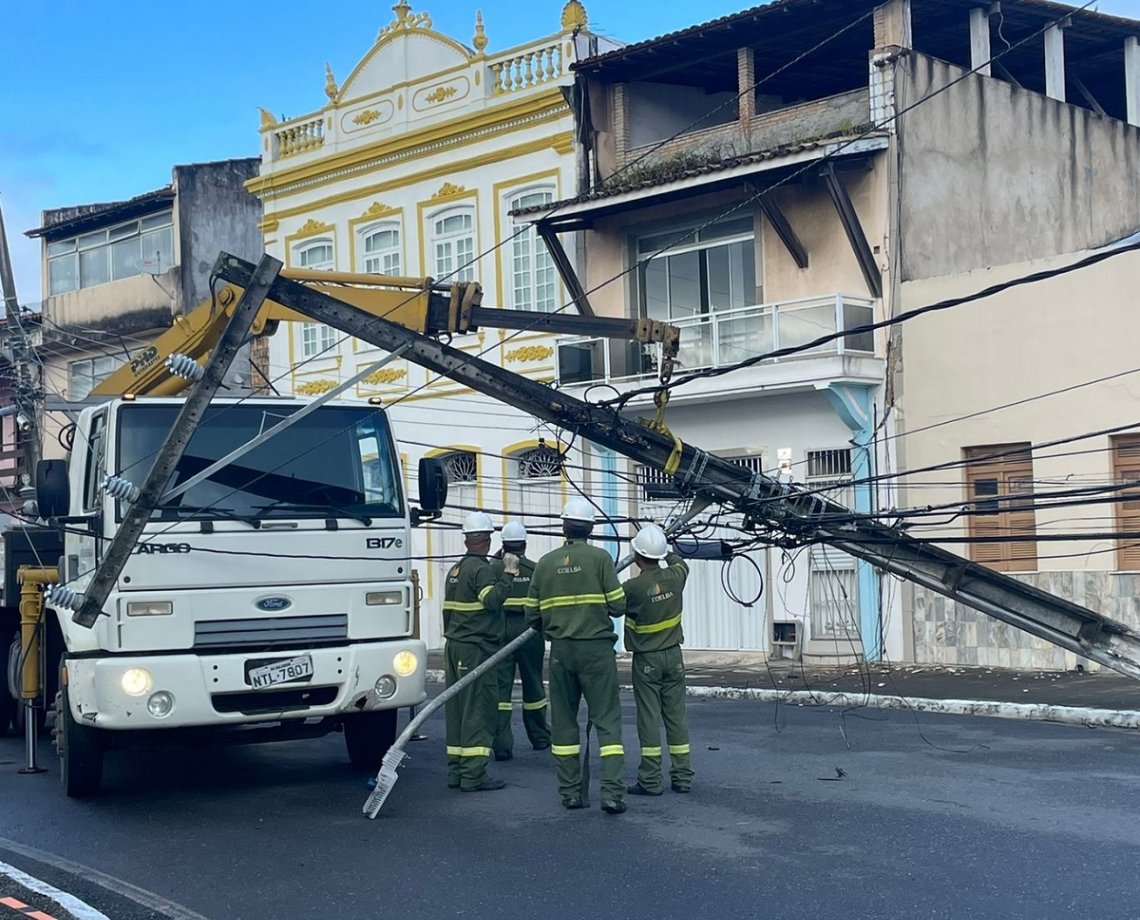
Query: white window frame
[[150, 229], [389, 260], [98, 368], [316, 338], [527, 293], [833, 577], [446, 267]]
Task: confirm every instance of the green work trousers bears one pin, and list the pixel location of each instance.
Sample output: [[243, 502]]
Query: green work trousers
[[470, 715], [528, 661], [585, 667], [659, 692]]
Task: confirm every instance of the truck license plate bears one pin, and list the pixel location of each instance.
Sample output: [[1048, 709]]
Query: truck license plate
[[281, 672]]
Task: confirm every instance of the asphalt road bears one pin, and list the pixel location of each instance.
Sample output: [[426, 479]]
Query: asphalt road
[[940, 817]]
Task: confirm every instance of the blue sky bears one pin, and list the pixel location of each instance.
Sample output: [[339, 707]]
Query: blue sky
[[102, 98]]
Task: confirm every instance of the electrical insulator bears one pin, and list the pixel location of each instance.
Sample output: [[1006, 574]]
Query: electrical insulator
[[63, 596], [120, 488], [186, 367]]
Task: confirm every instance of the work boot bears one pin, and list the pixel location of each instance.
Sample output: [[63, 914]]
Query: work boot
[[677, 787], [611, 807], [572, 802], [504, 755], [488, 785], [638, 789]]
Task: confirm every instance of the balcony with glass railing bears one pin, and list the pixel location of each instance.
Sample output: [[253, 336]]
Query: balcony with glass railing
[[725, 338]]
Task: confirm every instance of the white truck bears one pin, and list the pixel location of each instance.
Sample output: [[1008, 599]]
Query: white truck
[[274, 599]]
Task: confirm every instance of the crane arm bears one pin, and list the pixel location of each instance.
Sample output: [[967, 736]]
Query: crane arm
[[416, 304], [765, 502]]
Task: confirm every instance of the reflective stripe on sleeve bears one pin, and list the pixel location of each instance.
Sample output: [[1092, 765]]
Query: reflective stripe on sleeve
[[616, 594], [566, 750], [537, 704], [651, 752], [454, 750], [485, 592], [610, 750], [570, 600], [506, 707], [653, 627], [515, 602], [462, 606], [678, 749]]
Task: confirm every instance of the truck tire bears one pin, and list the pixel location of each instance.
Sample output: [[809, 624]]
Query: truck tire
[[80, 750], [9, 701], [367, 736]]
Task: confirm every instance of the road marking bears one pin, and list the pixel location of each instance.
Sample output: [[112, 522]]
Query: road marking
[[140, 896], [81, 909]]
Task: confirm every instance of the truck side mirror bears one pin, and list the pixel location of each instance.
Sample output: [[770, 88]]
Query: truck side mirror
[[53, 490], [433, 484]]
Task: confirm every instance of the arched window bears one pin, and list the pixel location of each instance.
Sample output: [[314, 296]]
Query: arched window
[[316, 255], [380, 249], [533, 282], [462, 466], [542, 462], [453, 244]]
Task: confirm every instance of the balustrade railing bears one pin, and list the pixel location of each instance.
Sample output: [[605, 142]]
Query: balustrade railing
[[726, 338], [527, 69]]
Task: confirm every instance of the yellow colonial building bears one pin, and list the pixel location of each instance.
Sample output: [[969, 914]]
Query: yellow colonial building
[[411, 166]]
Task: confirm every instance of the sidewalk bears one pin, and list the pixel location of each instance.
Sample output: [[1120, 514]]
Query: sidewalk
[[1090, 698]]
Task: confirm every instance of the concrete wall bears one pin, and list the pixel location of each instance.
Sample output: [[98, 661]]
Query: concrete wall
[[993, 174], [214, 213], [127, 307], [1016, 347]]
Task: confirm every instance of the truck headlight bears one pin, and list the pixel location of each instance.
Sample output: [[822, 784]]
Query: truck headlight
[[405, 663], [136, 681], [149, 608], [384, 598], [160, 704]]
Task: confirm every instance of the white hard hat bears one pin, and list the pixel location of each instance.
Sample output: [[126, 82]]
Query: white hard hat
[[478, 522], [579, 509], [514, 532], [650, 542]]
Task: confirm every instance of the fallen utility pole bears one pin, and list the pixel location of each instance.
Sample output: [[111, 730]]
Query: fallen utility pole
[[258, 283], [765, 502]]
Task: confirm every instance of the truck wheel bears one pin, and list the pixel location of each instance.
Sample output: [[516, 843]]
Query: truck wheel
[[368, 735], [9, 700], [80, 750]]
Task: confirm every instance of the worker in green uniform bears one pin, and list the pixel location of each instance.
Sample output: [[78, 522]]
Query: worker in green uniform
[[574, 592], [527, 659], [653, 633], [473, 627]]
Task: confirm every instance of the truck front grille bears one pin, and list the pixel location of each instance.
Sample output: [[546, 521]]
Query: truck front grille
[[259, 702], [272, 632]]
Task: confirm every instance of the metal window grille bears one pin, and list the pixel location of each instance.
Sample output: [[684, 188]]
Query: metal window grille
[[542, 462], [461, 466]]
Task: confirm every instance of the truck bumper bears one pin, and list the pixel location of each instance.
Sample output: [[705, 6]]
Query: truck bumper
[[214, 689]]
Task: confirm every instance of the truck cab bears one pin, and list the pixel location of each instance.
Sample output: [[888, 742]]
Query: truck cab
[[272, 599]]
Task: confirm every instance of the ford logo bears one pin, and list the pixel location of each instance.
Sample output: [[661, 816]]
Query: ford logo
[[273, 603]]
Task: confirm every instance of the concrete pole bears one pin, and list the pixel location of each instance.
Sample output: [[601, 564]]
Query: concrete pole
[[980, 41], [1055, 63], [1132, 78]]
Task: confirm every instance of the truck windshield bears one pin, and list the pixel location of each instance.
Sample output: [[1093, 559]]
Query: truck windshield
[[336, 462]]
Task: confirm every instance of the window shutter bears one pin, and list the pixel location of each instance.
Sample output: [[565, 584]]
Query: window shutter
[[1126, 467], [1002, 523]]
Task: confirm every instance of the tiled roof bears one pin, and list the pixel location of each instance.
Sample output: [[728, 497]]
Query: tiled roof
[[660, 174]]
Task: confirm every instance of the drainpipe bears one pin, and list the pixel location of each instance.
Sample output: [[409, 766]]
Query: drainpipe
[[853, 404]]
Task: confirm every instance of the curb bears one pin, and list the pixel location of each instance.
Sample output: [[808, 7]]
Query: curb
[[1035, 712]]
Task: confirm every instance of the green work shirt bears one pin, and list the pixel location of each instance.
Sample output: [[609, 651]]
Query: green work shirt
[[653, 607], [473, 601], [574, 592], [515, 604]]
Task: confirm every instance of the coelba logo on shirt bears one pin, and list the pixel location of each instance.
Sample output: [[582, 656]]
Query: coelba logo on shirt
[[566, 568]]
